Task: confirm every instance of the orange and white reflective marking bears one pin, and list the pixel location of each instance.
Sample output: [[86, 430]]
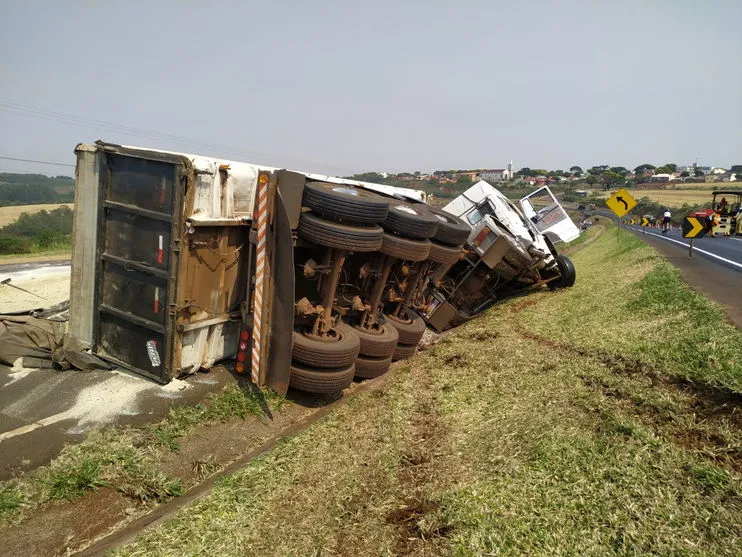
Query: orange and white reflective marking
[[262, 218]]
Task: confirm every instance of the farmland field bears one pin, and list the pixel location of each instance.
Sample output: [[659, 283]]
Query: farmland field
[[10, 214], [700, 194]]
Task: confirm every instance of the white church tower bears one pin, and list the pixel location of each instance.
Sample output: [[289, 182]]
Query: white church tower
[[510, 172]]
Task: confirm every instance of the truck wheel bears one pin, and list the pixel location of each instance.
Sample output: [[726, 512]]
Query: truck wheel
[[339, 236], [410, 220], [313, 380], [404, 351], [410, 330], [451, 230], [567, 273], [368, 368], [378, 343], [404, 248], [440, 253], [345, 203], [339, 349]]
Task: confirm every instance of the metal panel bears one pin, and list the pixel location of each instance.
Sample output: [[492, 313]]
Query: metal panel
[[282, 310], [137, 261], [82, 280]]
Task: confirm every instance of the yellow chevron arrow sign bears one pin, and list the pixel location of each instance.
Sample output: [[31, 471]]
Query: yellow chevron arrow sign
[[645, 221], [693, 228]]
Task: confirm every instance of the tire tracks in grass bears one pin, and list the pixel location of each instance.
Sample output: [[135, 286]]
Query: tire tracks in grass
[[705, 420], [425, 441]]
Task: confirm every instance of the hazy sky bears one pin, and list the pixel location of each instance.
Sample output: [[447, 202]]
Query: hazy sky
[[346, 86]]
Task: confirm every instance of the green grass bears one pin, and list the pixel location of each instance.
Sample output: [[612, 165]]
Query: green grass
[[126, 459], [71, 481], [561, 423], [11, 499]]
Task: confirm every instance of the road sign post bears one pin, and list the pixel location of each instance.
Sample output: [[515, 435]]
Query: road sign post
[[621, 202], [645, 223], [693, 228]]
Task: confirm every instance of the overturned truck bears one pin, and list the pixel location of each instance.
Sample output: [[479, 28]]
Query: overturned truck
[[180, 261]]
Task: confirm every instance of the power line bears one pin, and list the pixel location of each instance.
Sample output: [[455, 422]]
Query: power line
[[74, 120], [37, 162]]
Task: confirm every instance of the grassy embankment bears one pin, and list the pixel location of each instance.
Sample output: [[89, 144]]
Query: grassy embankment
[[603, 419]]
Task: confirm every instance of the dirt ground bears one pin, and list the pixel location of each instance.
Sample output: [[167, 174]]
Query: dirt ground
[[50, 285]]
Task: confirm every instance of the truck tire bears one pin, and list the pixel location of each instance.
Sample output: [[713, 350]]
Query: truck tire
[[379, 344], [404, 351], [339, 352], [567, 273], [343, 203], [440, 253], [410, 330], [410, 220], [451, 230], [368, 368], [404, 248], [339, 236], [313, 380]]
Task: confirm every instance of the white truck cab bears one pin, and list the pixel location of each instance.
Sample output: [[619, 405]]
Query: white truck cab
[[526, 229], [510, 250]]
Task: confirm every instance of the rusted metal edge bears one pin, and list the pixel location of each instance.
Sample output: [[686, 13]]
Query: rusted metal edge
[[208, 322], [163, 512]]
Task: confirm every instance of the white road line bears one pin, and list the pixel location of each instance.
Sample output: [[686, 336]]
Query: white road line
[[736, 239], [720, 258], [36, 425]]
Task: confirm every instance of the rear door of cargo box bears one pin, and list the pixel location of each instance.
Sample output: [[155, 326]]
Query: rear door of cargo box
[[139, 224]]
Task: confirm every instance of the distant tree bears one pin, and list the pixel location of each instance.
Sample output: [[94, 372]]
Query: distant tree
[[575, 169], [698, 173], [591, 179], [611, 178], [619, 170], [374, 177], [643, 167], [684, 174], [668, 168], [735, 169], [463, 180]]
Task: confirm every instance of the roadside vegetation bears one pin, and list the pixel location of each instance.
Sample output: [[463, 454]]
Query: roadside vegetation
[[128, 459], [28, 189], [602, 419], [42, 231]]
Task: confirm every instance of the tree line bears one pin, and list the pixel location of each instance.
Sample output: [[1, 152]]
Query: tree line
[[29, 189], [44, 230]]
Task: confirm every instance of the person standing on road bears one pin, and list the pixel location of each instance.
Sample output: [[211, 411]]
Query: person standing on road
[[666, 220]]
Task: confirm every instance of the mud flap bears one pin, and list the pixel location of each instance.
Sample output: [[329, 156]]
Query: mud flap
[[282, 307]]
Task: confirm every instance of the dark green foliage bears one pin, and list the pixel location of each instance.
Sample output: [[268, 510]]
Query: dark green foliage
[[14, 244], [27, 189], [34, 225], [43, 230]]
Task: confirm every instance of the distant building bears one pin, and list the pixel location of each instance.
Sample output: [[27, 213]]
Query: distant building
[[498, 174]]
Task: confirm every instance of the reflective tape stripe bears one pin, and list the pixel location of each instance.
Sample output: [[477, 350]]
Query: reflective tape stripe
[[262, 218]]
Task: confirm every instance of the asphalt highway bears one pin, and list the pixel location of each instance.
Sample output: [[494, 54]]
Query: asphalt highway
[[724, 250]]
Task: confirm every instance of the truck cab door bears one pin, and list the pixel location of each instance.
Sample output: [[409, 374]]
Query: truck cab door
[[549, 217]]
